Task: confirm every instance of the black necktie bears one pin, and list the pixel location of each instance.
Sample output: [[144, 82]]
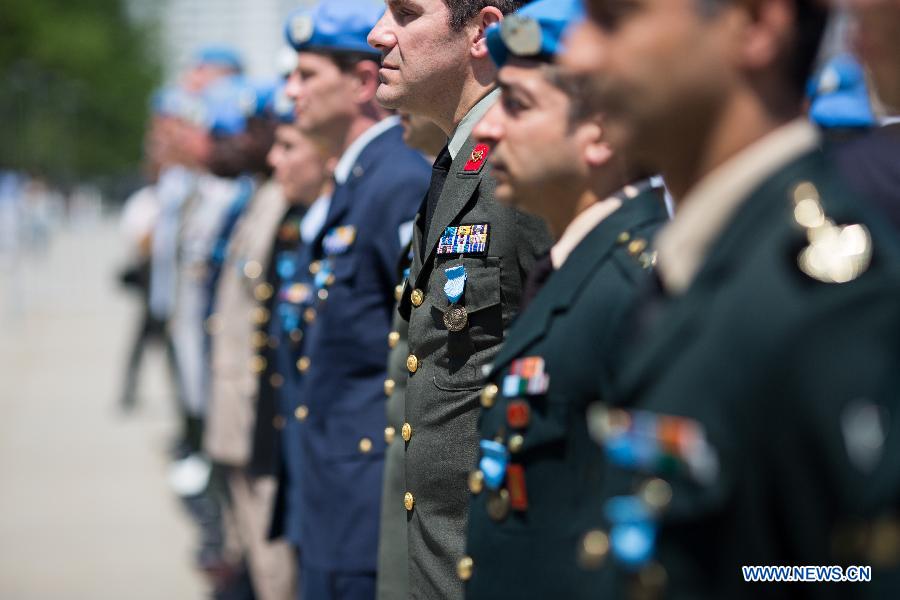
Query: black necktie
[[537, 277], [439, 172]]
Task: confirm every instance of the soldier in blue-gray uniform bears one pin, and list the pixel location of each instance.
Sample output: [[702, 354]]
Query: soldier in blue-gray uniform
[[379, 184], [536, 486]]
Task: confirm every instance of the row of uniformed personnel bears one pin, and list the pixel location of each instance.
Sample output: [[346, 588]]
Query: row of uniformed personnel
[[595, 402]]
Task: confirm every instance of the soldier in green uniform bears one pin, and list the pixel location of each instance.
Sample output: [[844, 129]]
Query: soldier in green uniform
[[755, 422], [393, 557], [469, 262], [536, 487]]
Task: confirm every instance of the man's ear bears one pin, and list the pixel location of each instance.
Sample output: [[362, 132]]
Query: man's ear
[[767, 33], [595, 151], [485, 18], [366, 75]]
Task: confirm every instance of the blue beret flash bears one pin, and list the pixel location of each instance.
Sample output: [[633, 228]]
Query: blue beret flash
[[536, 31], [331, 26], [839, 96]]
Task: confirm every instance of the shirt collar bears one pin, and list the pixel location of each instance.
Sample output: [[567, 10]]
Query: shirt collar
[[705, 211], [465, 127], [580, 227], [351, 154], [312, 222], [588, 220]]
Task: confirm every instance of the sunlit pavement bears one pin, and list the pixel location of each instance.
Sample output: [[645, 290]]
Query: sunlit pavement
[[85, 512]]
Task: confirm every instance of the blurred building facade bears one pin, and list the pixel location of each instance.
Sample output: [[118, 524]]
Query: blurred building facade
[[254, 28]]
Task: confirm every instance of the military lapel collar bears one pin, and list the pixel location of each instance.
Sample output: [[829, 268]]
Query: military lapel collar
[[563, 286], [465, 176], [761, 210]]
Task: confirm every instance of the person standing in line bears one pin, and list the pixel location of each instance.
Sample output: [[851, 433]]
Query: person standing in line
[[393, 557], [754, 420], [336, 454], [470, 258], [537, 483], [241, 292]]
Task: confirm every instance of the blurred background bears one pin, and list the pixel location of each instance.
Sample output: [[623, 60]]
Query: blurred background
[[87, 510]]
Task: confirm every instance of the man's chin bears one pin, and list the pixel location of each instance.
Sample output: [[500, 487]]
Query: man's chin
[[388, 97]]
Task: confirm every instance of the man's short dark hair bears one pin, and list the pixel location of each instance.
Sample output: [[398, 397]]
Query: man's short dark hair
[[462, 11], [346, 61]]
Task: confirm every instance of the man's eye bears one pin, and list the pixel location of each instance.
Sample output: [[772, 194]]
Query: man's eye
[[513, 105]]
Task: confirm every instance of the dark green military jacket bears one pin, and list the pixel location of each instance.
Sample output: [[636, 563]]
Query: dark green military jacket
[[393, 557], [445, 367], [523, 534], [758, 419]]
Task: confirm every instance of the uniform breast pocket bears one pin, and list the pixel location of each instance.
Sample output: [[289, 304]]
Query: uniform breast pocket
[[473, 325]]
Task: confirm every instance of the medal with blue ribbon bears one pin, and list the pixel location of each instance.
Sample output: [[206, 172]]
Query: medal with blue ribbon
[[455, 318]]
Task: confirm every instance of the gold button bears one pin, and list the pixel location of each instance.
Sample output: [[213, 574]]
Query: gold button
[[464, 568], [637, 246], [406, 432], [309, 315], [315, 267], [260, 339], [263, 292], [412, 363], [389, 386], [276, 380], [389, 434], [330, 279], [398, 292], [408, 500], [656, 494], [624, 237], [260, 316], [476, 482], [515, 443], [323, 294], [393, 339], [278, 422], [303, 364], [296, 335], [417, 297], [301, 412], [257, 364], [593, 550], [365, 445], [488, 395], [252, 269]]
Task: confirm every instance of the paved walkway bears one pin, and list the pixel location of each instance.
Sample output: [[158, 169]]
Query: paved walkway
[[85, 513]]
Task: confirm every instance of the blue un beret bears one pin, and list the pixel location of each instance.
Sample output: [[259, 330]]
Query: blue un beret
[[230, 101], [534, 31], [219, 55], [332, 26], [176, 102], [839, 95], [282, 106]]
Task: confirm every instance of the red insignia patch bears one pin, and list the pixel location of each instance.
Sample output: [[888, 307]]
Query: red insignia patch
[[477, 158], [518, 414], [515, 482]]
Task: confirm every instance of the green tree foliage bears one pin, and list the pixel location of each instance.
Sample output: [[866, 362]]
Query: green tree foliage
[[76, 77]]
